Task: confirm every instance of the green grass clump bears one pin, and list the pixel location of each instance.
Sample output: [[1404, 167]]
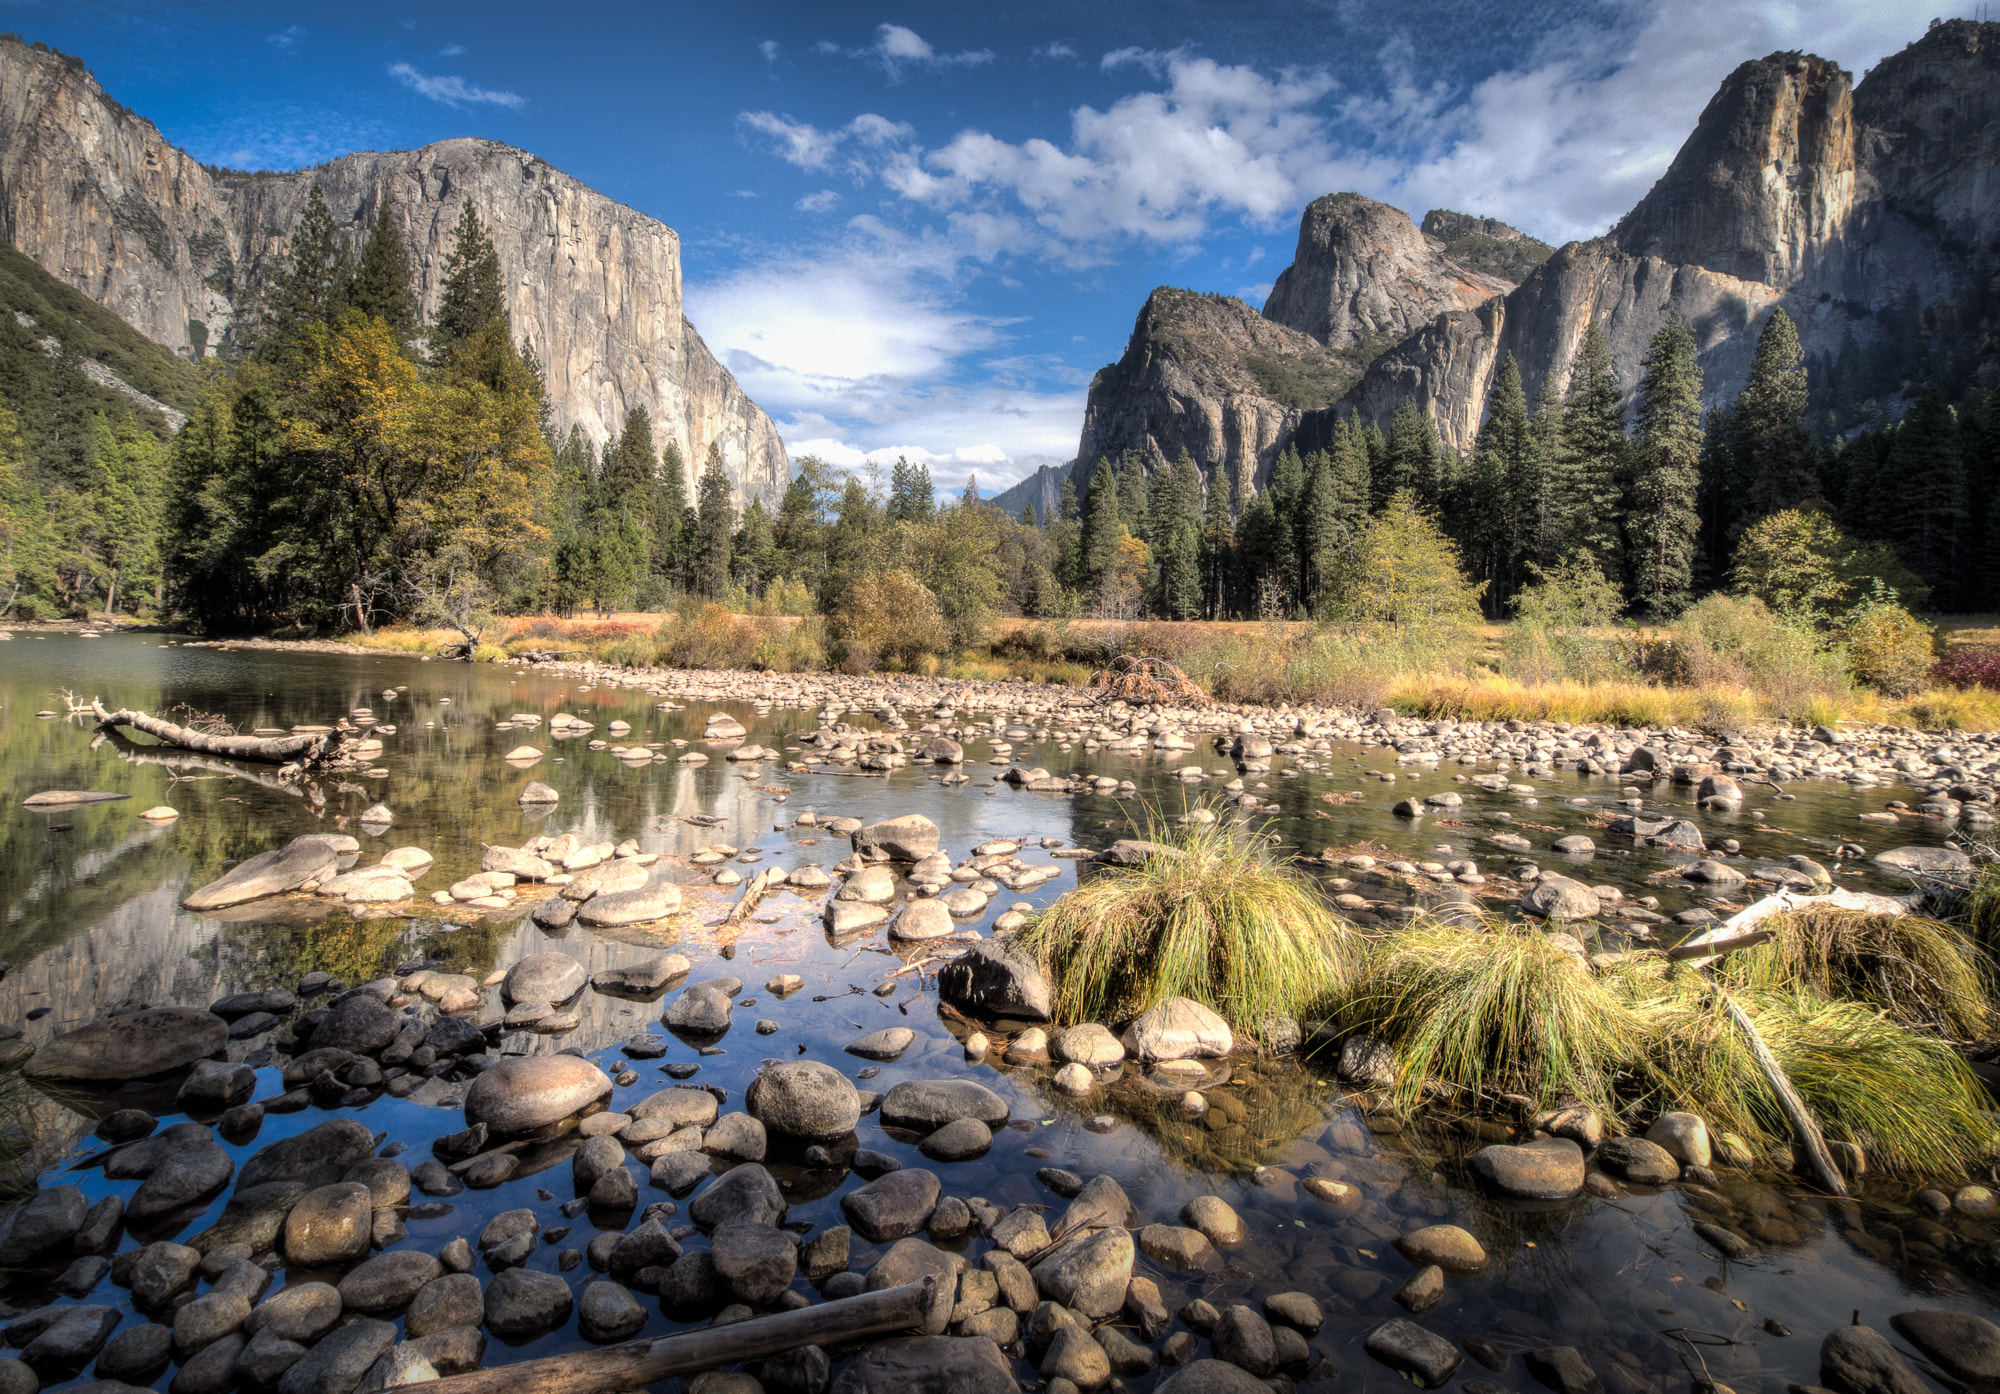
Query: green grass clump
[[1904, 1097], [1216, 919], [1506, 1011], [1924, 973]]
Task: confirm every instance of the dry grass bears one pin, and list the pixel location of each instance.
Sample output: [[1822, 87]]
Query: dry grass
[[1926, 974], [1215, 918]]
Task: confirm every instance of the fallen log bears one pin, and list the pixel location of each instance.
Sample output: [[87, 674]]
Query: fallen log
[[181, 762], [273, 750], [638, 1363], [1738, 931]]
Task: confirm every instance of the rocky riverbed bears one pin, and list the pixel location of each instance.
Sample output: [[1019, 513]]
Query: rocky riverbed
[[533, 1126]]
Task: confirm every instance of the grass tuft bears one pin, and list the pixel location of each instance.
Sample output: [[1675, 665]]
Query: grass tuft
[[1926, 974], [1505, 1011], [1215, 918]]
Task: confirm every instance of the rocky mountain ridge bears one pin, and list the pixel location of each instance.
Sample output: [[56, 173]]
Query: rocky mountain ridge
[[98, 197], [1212, 375], [1797, 186]]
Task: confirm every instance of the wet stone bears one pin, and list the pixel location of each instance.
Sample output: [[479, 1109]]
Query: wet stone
[[1403, 1345], [522, 1303], [894, 1206]]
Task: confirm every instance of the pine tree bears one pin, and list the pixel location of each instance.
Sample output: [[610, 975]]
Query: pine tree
[[1927, 467], [1662, 522], [751, 551], [1103, 527], [1287, 493], [1348, 458], [1177, 540], [1066, 539], [1323, 538], [1218, 540], [1505, 503], [1412, 458], [384, 283], [670, 500], [715, 522], [631, 468], [312, 288], [1590, 464], [1135, 496], [1775, 455], [912, 497], [472, 295]]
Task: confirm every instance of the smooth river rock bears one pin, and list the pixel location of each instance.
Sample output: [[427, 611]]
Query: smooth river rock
[[523, 1093], [132, 1045]]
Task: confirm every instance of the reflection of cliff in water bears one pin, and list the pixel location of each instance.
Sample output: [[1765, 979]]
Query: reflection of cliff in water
[[144, 948]]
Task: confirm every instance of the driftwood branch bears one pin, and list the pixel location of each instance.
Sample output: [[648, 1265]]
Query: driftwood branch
[[1804, 1126], [760, 885], [638, 1363], [274, 750]]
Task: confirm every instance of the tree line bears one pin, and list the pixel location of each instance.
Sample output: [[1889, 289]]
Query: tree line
[[357, 466]]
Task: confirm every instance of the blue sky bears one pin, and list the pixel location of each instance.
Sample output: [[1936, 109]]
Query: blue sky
[[921, 228]]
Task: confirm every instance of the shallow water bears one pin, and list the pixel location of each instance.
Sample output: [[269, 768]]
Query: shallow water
[[91, 920]]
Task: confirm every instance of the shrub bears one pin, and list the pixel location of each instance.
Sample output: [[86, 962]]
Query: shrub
[[1737, 641], [1968, 667], [1550, 639], [1801, 564], [1926, 974], [633, 650], [1484, 1013], [891, 617], [706, 635], [1888, 648], [793, 648], [489, 653], [1404, 576]]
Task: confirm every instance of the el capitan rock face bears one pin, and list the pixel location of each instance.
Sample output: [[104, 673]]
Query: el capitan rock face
[[97, 196]]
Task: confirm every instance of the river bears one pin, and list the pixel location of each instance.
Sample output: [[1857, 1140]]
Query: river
[[92, 920]]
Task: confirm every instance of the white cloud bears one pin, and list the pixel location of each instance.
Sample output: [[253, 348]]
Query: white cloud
[[866, 342], [819, 202], [805, 145], [451, 89], [451, 51], [1566, 143], [287, 38], [1055, 50], [897, 48], [772, 50], [741, 193]]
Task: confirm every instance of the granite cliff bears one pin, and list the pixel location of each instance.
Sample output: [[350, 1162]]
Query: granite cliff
[[1231, 386], [1840, 201], [1797, 187], [1209, 375], [98, 197]]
